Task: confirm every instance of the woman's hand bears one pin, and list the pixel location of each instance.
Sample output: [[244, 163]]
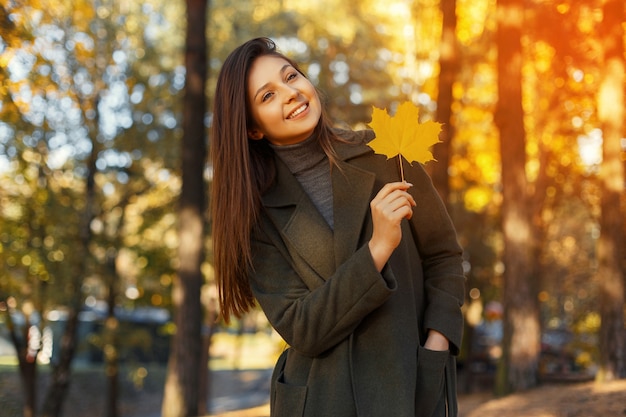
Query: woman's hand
[[392, 204], [436, 341]]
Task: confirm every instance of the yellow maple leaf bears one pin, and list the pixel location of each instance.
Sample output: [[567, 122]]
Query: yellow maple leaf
[[402, 135]]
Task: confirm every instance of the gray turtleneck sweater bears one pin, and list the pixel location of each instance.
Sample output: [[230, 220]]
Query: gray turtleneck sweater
[[309, 164]]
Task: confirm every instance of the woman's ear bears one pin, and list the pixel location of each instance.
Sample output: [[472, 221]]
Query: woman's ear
[[255, 134]]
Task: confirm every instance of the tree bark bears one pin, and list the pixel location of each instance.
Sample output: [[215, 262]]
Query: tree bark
[[111, 345], [182, 383], [521, 339], [448, 68], [611, 241], [27, 362]]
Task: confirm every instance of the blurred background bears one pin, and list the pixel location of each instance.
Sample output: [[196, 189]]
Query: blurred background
[[97, 128]]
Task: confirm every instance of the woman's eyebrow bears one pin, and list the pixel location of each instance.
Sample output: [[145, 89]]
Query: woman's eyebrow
[[282, 71]]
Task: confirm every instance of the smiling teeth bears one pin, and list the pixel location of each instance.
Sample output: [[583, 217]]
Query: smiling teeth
[[297, 111]]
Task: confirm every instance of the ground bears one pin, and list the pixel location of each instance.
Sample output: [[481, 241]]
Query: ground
[[555, 400], [586, 399], [240, 385], [241, 392]]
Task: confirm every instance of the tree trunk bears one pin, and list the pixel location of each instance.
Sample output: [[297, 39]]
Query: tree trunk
[[448, 68], [61, 372], [207, 335], [27, 364], [521, 340], [610, 244], [182, 383], [26, 341], [28, 372], [111, 345]]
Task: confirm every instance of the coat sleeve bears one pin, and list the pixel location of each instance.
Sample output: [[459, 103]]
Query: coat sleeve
[[311, 314], [437, 243]]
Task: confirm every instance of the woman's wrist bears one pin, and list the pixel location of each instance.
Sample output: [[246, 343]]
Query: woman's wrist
[[380, 254], [436, 341]]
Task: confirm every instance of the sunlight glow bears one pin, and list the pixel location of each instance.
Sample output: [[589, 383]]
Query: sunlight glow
[[590, 149]]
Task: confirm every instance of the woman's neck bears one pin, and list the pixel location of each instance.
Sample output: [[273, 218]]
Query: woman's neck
[[300, 156], [309, 164]]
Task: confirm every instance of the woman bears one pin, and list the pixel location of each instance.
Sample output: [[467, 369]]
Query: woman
[[358, 272]]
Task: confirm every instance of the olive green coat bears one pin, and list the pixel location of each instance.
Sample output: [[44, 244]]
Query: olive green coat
[[355, 334]]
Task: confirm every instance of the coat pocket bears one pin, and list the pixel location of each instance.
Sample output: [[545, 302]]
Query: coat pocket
[[430, 387], [286, 400]]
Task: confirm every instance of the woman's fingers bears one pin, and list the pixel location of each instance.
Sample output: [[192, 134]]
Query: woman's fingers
[[392, 204], [390, 188], [393, 201]]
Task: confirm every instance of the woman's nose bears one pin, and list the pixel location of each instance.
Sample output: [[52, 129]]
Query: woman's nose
[[290, 93]]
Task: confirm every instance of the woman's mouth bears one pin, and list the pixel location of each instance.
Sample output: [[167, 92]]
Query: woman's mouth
[[297, 111]]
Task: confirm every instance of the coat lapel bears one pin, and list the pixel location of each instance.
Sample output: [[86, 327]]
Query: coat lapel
[[302, 226], [352, 190], [352, 193], [299, 221]]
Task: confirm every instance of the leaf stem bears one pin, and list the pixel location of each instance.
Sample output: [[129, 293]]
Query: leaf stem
[[401, 168]]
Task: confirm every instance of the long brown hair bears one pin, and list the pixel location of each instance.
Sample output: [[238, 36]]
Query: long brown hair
[[242, 170]]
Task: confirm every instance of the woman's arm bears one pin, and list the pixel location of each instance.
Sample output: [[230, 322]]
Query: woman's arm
[[390, 206], [313, 320], [444, 281]]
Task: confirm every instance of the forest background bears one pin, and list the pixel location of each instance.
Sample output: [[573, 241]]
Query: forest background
[[104, 116]]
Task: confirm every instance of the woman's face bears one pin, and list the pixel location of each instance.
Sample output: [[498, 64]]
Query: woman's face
[[284, 104]]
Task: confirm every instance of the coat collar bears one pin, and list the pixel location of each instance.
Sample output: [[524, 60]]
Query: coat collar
[[303, 228]]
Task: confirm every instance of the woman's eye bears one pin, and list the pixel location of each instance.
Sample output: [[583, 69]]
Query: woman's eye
[[266, 96], [291, 76]]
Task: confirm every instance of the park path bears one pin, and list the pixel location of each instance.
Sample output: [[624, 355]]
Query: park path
[[581, 399]]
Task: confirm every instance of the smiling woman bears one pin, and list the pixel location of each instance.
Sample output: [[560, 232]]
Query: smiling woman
[[363, 284], [285, 105]]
